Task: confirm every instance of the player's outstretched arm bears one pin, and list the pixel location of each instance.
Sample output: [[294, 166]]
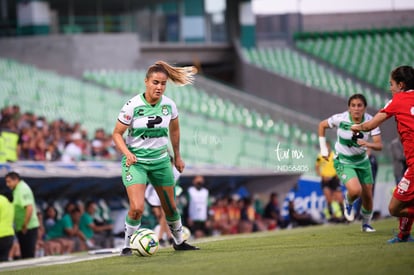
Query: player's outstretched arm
[[376, 121]]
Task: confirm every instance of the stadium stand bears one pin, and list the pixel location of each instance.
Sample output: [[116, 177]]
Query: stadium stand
[[369, 55], [292, 64]]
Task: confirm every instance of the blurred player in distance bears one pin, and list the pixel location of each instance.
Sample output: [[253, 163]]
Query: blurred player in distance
[[330, 183], [150, 118], [351, 163], [402, 108]]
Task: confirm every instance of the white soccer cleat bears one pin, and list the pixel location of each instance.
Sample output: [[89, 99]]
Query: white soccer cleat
[[349, 212], [367, 228]]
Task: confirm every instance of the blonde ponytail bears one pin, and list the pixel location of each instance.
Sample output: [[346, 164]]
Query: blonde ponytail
[[179, 75]]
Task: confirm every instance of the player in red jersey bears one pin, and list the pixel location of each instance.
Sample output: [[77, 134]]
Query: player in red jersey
[[402, 108]]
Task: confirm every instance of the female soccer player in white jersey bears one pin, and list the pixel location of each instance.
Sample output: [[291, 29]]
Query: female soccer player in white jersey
[[150, 118], [351, 162]]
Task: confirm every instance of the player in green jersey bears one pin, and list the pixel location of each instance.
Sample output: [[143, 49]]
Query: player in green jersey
[[351, 162], [151, 118]]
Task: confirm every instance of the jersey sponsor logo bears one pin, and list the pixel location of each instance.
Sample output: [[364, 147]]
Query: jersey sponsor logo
[[153, 120], [403, 186], [165, 110], [127, 117], [154, 133], [345, 125], [139, 112]]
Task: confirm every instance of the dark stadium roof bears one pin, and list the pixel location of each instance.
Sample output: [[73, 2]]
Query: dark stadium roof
[[53, 180]]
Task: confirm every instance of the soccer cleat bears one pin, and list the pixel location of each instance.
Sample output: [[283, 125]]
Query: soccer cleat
[[126, 251], [349, 212], [396, 239], [367, 228], [90, 244], [185, 246]]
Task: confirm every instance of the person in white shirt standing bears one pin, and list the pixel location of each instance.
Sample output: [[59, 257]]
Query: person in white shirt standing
[[198, 201]]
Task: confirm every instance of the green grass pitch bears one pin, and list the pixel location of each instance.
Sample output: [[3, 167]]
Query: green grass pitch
[[326, 249]]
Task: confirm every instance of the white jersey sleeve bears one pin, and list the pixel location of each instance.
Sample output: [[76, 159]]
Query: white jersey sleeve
[[127, 113], [334, 120], [174, 110]]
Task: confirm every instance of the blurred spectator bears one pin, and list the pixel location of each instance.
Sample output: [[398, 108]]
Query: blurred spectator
[[220, 217], [271, 213], [98, 145], [25, 217], [300, 219], [9, 139], [250, 221], [6, 224], [66, 231], [45, 247], [38, 139], [233, 212], [74, 150], [198, 200], [98, 234], [52, 152], [50, 217]]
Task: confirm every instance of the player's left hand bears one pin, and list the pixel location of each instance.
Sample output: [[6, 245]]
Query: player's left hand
[[362, 142], [179, 164], [355, 128]]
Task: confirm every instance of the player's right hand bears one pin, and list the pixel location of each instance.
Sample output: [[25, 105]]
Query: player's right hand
[[130, 159]]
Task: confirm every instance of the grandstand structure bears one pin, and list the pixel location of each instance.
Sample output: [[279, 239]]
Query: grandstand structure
[[251, 117]]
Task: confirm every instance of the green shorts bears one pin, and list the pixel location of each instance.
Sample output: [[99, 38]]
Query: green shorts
[[362, 171], [158, 173]]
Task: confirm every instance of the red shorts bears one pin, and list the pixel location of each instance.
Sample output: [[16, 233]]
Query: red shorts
[[405, 188]]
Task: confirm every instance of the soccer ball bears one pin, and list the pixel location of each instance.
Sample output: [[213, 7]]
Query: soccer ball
[[186, 233], [144, 242]]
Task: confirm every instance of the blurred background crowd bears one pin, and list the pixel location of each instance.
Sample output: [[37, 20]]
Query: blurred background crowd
[[35, 138]]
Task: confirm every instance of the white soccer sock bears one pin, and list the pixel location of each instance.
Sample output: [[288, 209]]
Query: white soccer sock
[[176, 229], [366, 216], [129, 230]]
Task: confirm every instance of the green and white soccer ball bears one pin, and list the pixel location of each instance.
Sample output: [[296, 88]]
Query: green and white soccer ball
[[144, 242]]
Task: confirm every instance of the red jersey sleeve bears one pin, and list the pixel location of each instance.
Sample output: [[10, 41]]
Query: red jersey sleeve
[[391, 107]]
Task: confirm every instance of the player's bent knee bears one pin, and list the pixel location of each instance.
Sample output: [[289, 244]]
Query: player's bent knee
[[394, 211]]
